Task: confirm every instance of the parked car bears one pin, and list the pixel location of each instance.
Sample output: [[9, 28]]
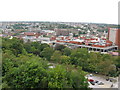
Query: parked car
[[100, 83], [107, 79], [110, 80], [90, 80], [93, 83], [96, 81], [91, 75]]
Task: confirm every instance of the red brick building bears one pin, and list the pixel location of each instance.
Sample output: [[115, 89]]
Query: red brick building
[[114, 36]]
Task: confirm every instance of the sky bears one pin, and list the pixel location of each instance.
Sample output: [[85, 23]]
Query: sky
[[91, 11]]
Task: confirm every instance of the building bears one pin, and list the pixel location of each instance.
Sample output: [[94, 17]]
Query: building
[[29, 36], [119, 38], [97, 45], [114, 36], [62, 32]]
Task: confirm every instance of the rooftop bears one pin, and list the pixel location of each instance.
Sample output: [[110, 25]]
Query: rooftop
[[29, 33]]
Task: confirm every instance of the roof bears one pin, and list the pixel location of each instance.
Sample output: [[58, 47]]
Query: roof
[[77, 40], [29, 33], [94, 41], [48, 31]]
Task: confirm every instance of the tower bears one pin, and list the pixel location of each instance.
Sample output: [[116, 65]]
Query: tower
[[113, 35], [119, 38]]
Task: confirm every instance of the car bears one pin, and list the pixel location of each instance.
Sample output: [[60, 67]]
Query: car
[[96, 81], [107, 79], [90, 80], [91, 75], [112, 85], [100, 83], [110, 80], [93, 83]]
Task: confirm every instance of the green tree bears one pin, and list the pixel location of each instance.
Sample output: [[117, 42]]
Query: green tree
[[66, 51], [118, 62], [59, 47], [78, 79], [16, 48], [42, 46], [93, 62], [7, 63], [27, 75], [35, 47], [65, 59], [26, 70], [106, 67], [60, 77], [80, 57], [56, 57], [47, 53], [27, 47]]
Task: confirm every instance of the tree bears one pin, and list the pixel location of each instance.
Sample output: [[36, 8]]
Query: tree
[[93, 62], [7, 63], [15, 45], [5, 43], [80, 32], [106, 67], [65, 59], [56, 56], [60, 77], [26, 70], [27, 47], [66, 51], [118, 62], [34, 73], [35, 47], [80, 57], [47, 53], [78, 79], [16, 48], [59, 47], [27, 75], [42, 46], [57, 77], [75, 35]]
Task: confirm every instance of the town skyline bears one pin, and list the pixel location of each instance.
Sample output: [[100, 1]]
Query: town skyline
[[92, 47]]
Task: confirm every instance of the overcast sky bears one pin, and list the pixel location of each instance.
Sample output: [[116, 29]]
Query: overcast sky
[[96, 11]]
